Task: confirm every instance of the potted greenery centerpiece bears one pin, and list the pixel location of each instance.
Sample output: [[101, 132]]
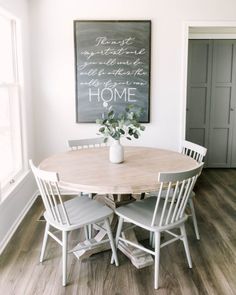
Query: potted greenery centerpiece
[[115, 126]]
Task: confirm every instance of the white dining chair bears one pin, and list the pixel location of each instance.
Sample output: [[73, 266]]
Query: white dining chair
[[77, 144], [66, 216], [157, 214], [197, 152]]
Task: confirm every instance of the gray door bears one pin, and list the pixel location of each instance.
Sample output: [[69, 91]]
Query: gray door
[[233, 151], [222, 103], [199, 91], [212, 99]]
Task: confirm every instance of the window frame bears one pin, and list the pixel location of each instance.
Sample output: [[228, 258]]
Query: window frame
[[11, 182]]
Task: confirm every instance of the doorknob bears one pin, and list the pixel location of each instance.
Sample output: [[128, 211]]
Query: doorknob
[[232, 109]]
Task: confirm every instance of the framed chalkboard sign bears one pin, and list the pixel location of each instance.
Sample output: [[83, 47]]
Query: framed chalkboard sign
[[112, 67]]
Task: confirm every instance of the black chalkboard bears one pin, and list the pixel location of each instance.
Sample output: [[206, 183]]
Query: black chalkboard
[[112, 67]]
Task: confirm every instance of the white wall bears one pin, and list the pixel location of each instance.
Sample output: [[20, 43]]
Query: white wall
[[15, 205], [53, 63]]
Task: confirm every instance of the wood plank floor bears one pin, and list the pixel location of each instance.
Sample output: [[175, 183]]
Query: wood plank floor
[[214, 256]]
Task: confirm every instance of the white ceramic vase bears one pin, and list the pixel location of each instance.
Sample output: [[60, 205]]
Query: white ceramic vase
[[116, 152]]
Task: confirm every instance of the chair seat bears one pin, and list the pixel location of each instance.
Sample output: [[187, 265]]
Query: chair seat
[[81, 211], [141, 213]]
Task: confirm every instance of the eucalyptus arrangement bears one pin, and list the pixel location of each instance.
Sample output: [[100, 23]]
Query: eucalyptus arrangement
[[115, 126], [124, 124]]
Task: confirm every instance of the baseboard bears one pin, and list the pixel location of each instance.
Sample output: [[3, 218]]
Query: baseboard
[[17, 222]]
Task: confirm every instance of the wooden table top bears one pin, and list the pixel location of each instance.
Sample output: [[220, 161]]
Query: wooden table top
[[89, 170]]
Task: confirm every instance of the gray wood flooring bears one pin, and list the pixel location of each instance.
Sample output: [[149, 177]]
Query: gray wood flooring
[[214, 256]]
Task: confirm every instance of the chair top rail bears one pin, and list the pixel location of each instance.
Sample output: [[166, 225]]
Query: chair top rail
[[50, 193], [80, 143], [45, 175], [179, 176], [196, 148]]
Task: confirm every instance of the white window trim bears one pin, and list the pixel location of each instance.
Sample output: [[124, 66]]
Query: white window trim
[[15, 181]]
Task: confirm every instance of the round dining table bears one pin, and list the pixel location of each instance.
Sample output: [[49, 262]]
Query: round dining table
[[89, 170]]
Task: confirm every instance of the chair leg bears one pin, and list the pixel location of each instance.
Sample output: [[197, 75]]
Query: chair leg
[[45, 238], [151, 237], [86, 232], [90, 231], [157, 259], [186, 247], [153, 241], [194, 218], [64, 257], [113, 248], [118, 232]]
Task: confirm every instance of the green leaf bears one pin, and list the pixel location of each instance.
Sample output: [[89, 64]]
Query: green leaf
[[111, 113], [130, 131], [116, 125], [127, 122], [121, 131], [102, 129], [116, 135], [130, 106]]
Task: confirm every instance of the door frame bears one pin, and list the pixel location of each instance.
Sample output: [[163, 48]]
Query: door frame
[[186, 27]]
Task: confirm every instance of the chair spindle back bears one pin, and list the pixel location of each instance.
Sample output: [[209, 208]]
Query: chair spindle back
[[76, 144], [193, 150], [177, 188], [48, 186]]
